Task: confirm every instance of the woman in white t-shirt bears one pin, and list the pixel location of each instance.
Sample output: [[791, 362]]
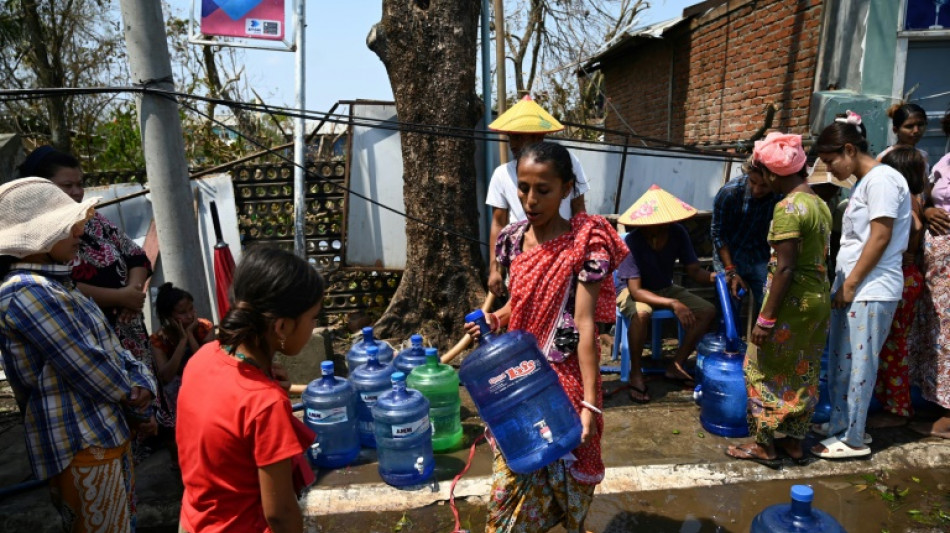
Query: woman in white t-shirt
[[868, 283]]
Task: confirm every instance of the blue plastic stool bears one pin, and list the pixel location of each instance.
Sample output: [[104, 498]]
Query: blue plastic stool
[[622, 346]]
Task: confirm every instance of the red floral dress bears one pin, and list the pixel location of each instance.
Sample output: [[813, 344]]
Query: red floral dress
[[543, 288]]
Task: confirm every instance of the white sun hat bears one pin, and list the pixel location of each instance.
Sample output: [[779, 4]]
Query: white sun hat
[[35, 214]]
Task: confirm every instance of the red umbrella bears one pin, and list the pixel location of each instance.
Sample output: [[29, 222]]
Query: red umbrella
[[223, 266]]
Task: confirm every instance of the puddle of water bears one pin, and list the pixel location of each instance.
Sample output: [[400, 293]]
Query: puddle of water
[[885, 502]]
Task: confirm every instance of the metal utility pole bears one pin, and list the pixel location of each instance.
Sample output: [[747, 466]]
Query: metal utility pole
[[486, 85], [300, 148], [163, 143], [500, 70]]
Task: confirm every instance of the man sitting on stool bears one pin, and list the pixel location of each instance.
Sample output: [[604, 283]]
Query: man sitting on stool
[[655, 243]]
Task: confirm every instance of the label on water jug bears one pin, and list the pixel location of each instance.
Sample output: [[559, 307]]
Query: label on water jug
[[369, 398], [507, 378], [401, 431], [330, 415], [365, 426]]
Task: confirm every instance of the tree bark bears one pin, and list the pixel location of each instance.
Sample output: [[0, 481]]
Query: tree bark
[[45, 55], [428, 48]]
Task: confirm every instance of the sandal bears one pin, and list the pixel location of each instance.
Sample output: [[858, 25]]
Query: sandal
[[822, 430], [835, 449], [746, 455], [644, 394]]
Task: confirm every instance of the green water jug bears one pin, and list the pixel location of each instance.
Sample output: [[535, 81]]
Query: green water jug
[[440, 385]]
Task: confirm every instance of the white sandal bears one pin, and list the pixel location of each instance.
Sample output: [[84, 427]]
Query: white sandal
[[823, 430], [835, 449]]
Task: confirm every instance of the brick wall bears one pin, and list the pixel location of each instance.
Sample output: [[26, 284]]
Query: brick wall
[[727, 64]]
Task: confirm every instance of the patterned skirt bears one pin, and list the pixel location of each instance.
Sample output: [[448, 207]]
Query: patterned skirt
[[96, 492], [536, 502], [930, 354], [782, 374]]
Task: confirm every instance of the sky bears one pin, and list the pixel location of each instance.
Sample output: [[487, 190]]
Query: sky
[[339, 66]]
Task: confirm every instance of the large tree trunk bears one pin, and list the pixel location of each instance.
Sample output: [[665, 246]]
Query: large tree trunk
[[428, 48]]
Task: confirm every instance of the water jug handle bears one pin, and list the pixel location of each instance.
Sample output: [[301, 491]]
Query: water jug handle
[[478, 316]]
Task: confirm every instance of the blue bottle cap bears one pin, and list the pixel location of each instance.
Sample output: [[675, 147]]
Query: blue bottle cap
[[802, 493], [397, 377], [368, 333], [416, 340], [432, 353], [326, 367], [474, 315], [372, 351]]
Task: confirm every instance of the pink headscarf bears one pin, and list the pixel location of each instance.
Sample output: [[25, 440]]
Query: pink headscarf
[[781, 153]]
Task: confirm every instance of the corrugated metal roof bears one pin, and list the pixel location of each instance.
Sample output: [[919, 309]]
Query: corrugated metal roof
[[631, 38]]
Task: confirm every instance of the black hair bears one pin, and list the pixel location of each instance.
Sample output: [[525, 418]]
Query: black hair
[[45, 161], [549, 152], [168, 297], [837, 134], [900, 112], [945, 123], [910, 163], [269, 283]]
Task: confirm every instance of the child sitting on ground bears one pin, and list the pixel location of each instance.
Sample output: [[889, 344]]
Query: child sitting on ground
[[180, 336]]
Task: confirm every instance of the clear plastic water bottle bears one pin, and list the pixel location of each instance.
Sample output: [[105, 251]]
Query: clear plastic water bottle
[[403, 435], [412, 356], [330, 411], [440, 385], [520, 399], [798, 516], [370, 379], [357, 354]]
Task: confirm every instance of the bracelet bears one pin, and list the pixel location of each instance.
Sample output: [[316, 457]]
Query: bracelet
[[765, 323], [591, 407], [730, 268]]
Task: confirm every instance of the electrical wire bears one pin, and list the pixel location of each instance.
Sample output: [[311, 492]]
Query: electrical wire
[[670, 150]]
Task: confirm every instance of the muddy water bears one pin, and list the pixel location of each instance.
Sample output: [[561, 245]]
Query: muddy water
[[885, 502]]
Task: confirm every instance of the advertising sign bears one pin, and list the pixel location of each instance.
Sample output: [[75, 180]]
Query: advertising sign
[[246, 19]]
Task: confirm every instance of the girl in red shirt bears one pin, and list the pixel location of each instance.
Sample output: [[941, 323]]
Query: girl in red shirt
[[238, 440]]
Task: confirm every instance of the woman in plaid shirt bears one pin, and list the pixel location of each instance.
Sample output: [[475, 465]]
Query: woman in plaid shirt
[[80, 389]]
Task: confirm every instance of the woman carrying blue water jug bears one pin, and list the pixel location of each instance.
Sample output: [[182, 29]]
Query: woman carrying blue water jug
[[556, 271]]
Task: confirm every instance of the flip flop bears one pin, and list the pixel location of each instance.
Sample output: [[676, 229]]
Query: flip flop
[[774, 464], [835, 449], [822, 430], [644, 392]]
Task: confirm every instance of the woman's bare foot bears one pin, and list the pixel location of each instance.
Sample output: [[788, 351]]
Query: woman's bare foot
[[676, 372], [886, 420], [937, 428]]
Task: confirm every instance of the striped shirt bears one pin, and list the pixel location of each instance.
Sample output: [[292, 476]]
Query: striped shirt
[[61, 355]]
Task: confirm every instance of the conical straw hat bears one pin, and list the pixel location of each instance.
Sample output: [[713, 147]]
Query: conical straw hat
[[656, 206], [820, 174], [526, 117]]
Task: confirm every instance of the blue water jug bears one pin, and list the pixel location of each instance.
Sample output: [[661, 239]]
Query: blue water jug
[[722, 395], [330, 411], [357, 355], [519, 398], [708, 345], [823, 408], [370, 379], [412, 356], [403, 435], [798, 516]]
